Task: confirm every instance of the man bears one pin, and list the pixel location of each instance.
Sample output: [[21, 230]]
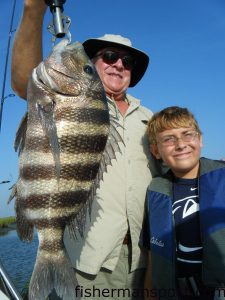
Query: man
[[108, 258]]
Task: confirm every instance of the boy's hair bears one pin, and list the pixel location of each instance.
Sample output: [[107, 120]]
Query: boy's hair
[[169, 118]]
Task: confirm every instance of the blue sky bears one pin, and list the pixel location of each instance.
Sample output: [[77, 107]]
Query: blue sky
[[185, 40]]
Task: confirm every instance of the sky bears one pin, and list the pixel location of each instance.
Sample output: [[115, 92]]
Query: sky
[[185, 40]]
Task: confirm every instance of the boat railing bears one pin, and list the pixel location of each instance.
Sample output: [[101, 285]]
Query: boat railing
[[6, 285]]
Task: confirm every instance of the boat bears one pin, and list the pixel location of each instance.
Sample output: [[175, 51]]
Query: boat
[[8, 291]]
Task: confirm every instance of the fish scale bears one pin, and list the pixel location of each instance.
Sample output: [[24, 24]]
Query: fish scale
[[64, 148]]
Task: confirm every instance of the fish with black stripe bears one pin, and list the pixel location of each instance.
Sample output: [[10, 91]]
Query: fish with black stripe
[[65, 141]]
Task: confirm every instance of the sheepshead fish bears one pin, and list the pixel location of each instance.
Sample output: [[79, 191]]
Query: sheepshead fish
[[65, 142]]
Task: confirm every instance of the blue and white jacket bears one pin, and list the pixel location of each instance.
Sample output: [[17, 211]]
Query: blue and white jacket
[[212, 227]]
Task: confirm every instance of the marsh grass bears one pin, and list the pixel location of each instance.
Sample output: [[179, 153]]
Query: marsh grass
[[5, 222]]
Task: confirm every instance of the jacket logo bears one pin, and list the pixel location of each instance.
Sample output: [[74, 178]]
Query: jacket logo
[[156, 242], [193, 189]]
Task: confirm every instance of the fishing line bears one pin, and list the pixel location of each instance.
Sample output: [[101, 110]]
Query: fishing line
[[3, 97]]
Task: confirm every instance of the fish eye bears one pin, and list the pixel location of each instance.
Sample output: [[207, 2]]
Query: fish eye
[[88, 69]]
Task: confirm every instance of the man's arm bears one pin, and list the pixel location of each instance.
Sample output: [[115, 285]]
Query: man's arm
[[27, 46]]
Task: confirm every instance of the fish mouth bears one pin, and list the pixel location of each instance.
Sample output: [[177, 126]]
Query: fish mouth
[[47, 82]]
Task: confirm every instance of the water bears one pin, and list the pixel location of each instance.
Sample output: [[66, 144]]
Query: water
[[17, 257]]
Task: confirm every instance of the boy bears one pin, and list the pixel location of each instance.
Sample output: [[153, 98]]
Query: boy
[[185, 228]]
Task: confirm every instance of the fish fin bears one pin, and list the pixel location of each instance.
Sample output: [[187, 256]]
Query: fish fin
[[24, 228], [21, 134], [46, 115], [13, 193], [50, 274], [78, 223], [112, 146]]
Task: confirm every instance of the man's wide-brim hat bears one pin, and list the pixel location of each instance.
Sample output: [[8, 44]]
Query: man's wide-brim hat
[[92, 46]]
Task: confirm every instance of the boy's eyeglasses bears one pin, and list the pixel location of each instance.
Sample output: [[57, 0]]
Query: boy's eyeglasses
[[111, 57], [171, 140]]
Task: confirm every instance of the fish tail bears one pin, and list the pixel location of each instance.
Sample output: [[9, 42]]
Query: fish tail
[[50, 274]]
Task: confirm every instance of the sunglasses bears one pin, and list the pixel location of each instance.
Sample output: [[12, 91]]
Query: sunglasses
[[111, 57]]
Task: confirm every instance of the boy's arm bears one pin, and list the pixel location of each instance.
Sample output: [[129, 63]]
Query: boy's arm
[[27, 47], [148, 291]]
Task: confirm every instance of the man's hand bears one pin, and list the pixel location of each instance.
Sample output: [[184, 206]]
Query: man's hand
[[27, 47], [38, 4]]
